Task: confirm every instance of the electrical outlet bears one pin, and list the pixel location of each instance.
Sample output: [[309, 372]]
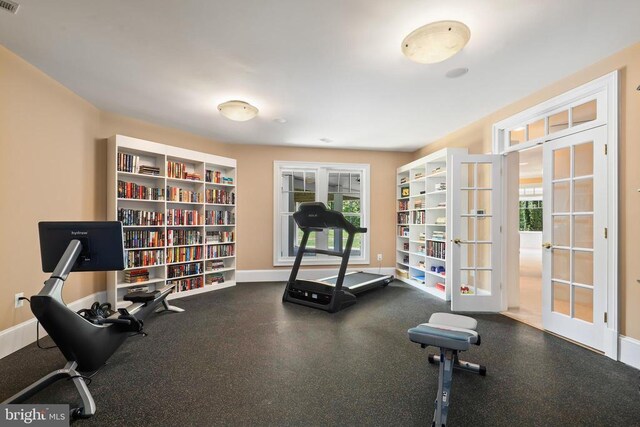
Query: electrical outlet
[[379, 257], [19, 302]]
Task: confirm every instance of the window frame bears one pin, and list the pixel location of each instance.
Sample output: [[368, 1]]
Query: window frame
[[322, 170]]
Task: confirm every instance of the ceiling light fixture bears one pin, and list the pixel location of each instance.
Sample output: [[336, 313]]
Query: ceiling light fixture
[[280, 120], [436, 42], [326, 140], [238, 111]]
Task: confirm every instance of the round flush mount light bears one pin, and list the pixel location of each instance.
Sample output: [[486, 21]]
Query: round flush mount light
[[436, 42], [238, 111], [456, 72], [280, 120]]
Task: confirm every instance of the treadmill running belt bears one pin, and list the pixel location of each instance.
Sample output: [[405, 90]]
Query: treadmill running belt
[[354, 279]]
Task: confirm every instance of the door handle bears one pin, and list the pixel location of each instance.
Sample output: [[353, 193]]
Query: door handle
[[546, 245], [457, 241]]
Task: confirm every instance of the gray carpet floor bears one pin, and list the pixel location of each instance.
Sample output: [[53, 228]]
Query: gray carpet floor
[[240, 357]]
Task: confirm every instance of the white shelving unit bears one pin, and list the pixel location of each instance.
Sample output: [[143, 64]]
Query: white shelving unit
[[194, 198], [422, 218]]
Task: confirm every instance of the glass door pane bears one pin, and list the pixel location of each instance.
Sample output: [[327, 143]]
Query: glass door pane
[[572, 264]]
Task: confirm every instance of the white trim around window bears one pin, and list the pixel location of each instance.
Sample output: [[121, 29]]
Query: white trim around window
[[321, 171]]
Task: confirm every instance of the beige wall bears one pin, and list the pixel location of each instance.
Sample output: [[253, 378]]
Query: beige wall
[[53, 148], [52, 169], [477, 137]]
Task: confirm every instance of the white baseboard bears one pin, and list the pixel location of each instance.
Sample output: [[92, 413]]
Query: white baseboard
[[282, 275], [629, 351], [23, 334]]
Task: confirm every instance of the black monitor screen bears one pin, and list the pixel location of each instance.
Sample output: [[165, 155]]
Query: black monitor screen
[[102, 245]]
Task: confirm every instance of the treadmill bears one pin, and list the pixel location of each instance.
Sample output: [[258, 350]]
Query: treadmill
[[332, 293]]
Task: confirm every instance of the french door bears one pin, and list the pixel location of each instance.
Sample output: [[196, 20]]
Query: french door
[[574, 256], [475, 233]]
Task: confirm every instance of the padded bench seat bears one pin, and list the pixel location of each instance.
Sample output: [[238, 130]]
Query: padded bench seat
[[446, 330]]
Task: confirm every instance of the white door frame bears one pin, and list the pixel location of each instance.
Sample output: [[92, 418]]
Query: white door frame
[[606, 89]]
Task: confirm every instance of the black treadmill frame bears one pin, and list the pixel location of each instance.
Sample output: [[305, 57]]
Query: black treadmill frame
[[310, 217]]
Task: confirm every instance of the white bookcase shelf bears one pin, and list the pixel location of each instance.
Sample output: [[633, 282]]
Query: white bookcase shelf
[[421, 210], [150, 193]]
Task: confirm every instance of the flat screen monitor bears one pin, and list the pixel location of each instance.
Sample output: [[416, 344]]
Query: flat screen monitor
[[102, 244]]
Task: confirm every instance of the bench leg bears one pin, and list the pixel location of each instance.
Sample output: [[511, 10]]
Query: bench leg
[[461, 365], [444, 387]]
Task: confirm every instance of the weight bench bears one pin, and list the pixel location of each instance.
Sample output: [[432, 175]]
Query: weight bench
[[451, 333]]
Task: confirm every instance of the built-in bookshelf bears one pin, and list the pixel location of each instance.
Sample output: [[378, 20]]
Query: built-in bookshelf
[[422, 220], [178, 210]]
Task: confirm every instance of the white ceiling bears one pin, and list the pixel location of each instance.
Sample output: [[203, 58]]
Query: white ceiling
[[332, 68]]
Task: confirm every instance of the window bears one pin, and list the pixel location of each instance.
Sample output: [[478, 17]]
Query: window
[[530, 215], [341, 187]]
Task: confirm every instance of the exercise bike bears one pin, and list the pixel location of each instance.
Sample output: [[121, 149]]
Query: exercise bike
[[87, 342]]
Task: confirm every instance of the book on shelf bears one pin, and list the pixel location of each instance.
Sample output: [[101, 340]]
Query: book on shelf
[[183, 254], [140, 217], [219, 251], [220, 196], [127, 162], [143, 239], [149, 170], [177, 194], [438, 235], [418, 175], [403, 231], [419, 217], [404, 179], [145, 258], [137, 289], [403, 205], [436, 249], [181, 270], [183, 237], [216, 177], [215, 278], [180, 171], [135, 276], [441, 186], [131, 190], [184, 217], [220, 218], [216, 236], [187, 284], [403, 217], [215, 265]]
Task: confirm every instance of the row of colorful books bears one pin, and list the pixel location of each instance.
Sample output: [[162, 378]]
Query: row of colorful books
[[140, 217], [131, 190], [183, 237], [220, 196], [220, 236], [188, 253], [219, 251], [220, 218], [177, 194], [216, 177], [145, 258], [143, 239]]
